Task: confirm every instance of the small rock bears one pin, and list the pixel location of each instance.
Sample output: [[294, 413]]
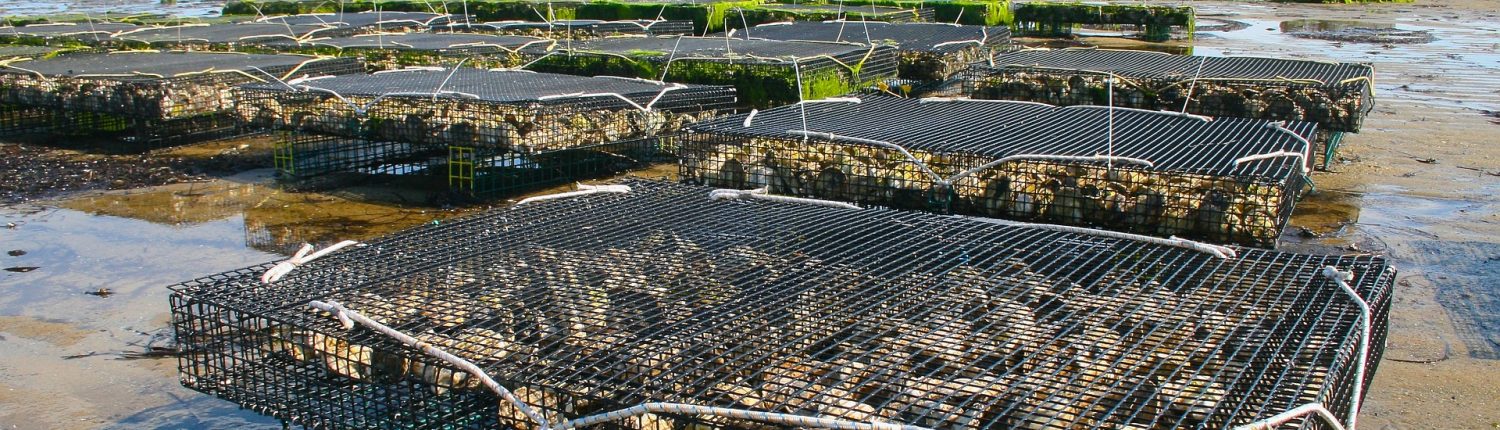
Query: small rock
[[21, 269], [16, 253], [102, 292]]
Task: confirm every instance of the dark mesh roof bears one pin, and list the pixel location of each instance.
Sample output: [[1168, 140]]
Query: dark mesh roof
[[503, 86], [716, 47], [223, 33], [64, 29], [625, 26], [877, 10], [1000, 128], [931, 37], [1141, 64], [363, 19], [166, 64], [426, 41], [7, 52]]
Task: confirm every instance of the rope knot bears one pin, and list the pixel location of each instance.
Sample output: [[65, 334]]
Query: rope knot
[[303, 256]]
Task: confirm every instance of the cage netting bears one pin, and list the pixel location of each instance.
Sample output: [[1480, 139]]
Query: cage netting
[[782, 313], [577, 28], [224, 36], [368, 21], [396, 51], [1225, 180], [90, 33], [929, 51]]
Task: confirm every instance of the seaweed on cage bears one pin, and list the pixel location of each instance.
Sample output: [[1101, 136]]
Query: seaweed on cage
[[657, 293], [396, 51], [929, 51], [576, 29], [86, 33], [502, 130], [779, 12], [765, 72], [146, 96], [1225, 180], [1337, 96]]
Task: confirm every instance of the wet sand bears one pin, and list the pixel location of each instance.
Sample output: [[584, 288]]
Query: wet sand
[[1418, 185]]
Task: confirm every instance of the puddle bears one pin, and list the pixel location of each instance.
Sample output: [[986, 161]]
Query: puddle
[[183, 8], [1353, 31]]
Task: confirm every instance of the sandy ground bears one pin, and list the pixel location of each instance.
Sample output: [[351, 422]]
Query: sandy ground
[[1418, 184]]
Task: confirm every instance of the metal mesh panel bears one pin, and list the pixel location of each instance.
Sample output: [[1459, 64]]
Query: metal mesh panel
[[578, 28], [761, 70], [589, 304], [991, 159], [84, 32], [1335, 95], [164, 97], [928, 51], [836, 12], [224, 35], [8, 53], [367, 21], [395, 51]]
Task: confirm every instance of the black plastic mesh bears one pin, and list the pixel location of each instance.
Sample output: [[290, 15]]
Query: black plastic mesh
[[928, 51], [875, 13], [395, 51], [761, 70], [1192, 188], [28, 52], [589, 304], [84, 32], [578, 28], [161, 97], [1335, 95], [226, 34], [368, 21]]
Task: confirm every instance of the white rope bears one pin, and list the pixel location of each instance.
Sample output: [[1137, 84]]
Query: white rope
[[1277, 154], [348, 318], [1306, 145], [646, 108], [854, 100], [1277, 420], [1193, 84], [802, 108], [583, 190], [751, 117], [303, 256], [1342, 279], [958, 42], [969, 100], [767, 417], [1157, 112], [763, 194], [1219, 251], [1111, 139]]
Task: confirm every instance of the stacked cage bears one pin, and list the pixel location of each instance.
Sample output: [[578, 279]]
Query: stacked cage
[[495, 131], [577, 29], [1227, 180], [782, 314], [395, 51], [1337, 96], [931, 55], [222, 37], [68, 33], [145, 97], [765, 72], [1154, 23], [368, 22]]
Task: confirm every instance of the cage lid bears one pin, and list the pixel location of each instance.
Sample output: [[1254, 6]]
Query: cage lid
[[428, 41], [68, 28], [1155, 65], [224, 33], [928, 37], [157, 64], [714, 47], [363, 19], [510, 86]]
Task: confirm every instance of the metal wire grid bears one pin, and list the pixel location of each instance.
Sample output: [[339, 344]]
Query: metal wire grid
[[9, 53], [578, 28], [306, 155], [486, 174], [928, 51], [903, 317], [1174, 175], [761, 70], [159, 97], [396, 51], [1335, 95], [837, 12], [247, 33]]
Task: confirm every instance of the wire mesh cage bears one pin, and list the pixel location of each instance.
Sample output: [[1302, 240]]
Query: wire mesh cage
[[88, 33], [777, 12], [764, 72], [222, 37], [929, 51], [493, 124], [368, 22], [28, 52], [577, 28], [1337, 96], [1152, 22], [583, 306], [1226, 180], [159, 97], [395, 51]]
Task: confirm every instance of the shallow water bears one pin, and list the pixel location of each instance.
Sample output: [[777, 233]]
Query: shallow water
[[184, 8]]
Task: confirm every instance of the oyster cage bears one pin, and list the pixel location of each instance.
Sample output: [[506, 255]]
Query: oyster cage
[[1226, 180], [1337, 96], [223, 37], [501, 130], [154, 98], [578, 28], [87, 33], [396, 51], [581, 306], [367, 22], [779, 12], [764, 72], [928, 51]]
